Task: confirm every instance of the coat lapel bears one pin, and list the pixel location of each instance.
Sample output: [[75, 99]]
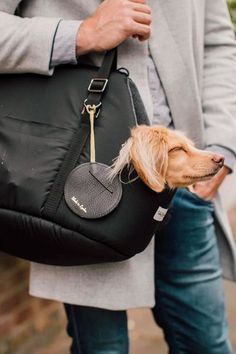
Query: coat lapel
[[176, 75]]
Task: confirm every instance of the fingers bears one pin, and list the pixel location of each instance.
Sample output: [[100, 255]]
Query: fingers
[[140, 7], [142, 18], [114, 21], [141, 31]]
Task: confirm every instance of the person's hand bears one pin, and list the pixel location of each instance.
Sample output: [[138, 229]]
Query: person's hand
[[207, 190], [112, 23]]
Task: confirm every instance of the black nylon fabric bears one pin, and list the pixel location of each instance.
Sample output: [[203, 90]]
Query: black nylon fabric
[[39, 118]]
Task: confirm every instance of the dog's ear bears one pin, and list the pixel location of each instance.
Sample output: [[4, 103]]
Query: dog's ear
[[149, 155], [147, 150]]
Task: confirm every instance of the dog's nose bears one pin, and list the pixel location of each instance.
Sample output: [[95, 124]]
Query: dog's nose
[[219, 159]]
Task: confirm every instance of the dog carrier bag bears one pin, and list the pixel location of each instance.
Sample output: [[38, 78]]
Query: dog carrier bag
[[58, 137]]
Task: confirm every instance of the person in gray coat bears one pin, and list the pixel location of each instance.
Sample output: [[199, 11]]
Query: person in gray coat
[[182, 56]]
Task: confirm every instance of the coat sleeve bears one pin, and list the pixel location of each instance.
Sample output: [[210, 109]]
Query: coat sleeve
[[64, 48], [219, 77], [26, 43]]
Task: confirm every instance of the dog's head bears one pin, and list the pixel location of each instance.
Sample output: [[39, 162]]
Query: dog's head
[[162, 156]]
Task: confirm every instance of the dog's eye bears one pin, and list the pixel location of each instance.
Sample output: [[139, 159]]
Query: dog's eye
[[177, 148]]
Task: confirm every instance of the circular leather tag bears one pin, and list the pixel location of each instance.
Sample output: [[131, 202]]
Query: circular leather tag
[[89, 193]]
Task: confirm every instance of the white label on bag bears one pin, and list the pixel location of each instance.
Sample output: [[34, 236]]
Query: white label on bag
[[160, 214]]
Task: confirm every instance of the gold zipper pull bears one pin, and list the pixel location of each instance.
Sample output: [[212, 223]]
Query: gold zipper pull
[[91, 109]]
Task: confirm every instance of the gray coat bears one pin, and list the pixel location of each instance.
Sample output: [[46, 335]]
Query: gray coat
[[200, 89]]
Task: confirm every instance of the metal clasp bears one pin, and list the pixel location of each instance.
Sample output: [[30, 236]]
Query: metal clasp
[[94, 85], [96, 106]]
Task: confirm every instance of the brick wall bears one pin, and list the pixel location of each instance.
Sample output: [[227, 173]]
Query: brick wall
[[24, 321]]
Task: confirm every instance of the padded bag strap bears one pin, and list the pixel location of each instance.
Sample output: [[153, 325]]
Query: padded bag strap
[[96, 90]]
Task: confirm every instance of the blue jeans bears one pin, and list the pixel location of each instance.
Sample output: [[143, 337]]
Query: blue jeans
[[189, 291]]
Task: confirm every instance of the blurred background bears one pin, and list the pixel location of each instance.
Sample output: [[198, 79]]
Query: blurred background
[[34, 326], [232, 9]]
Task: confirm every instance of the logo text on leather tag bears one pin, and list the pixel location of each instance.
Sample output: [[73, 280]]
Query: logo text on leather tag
[[75, 200], [160, 214]]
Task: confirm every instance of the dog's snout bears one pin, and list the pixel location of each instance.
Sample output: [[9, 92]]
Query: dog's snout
[[219, 159]]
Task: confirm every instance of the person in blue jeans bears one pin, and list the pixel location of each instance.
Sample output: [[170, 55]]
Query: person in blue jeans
[[189, 293], [182, 57]]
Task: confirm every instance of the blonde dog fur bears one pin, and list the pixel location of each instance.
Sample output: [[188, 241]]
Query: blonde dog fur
[[162, 157]]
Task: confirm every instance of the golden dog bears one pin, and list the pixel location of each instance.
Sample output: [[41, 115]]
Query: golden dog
[[162, 156]]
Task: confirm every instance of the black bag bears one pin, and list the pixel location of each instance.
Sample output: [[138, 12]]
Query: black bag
[[44, 138]]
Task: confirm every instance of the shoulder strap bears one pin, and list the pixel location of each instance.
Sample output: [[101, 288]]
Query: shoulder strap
[[98, 84], [96, 89]]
